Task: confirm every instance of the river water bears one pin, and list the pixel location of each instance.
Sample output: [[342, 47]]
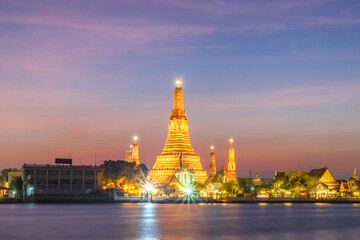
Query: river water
[[180, 221]]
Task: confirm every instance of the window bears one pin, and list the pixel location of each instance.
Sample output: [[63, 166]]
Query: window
[[53, 173], [41, 172], [40, 181], [89, 173], [65, 173], [77, 173], [89, 182], [53, 181], [65, 181], [76, 182]]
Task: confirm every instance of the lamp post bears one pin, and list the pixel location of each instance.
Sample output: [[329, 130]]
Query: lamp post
[[149, 188]]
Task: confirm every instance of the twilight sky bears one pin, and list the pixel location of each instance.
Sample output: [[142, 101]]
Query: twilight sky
[[280, 77]]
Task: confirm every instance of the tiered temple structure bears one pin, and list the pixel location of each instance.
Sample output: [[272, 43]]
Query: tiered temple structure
[[212, 168], [256, 180], [178, 143], [128, 154], [135, 151], [231, 171], [132, 155], [355, 175]]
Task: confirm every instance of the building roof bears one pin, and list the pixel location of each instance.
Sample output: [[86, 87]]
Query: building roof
[[325, 177], [213, 179], [172, 179], [318, 172], [59, 166]]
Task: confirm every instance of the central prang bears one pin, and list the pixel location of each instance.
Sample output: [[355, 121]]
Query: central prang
[[177, 146]]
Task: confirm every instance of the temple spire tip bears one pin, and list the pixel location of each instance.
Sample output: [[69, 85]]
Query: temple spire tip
[[178, 82]]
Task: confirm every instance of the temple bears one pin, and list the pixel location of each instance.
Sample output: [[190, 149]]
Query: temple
[[212, 168], [231, 170], [128, 154], [135, 152], [177, 144], [132, 155]]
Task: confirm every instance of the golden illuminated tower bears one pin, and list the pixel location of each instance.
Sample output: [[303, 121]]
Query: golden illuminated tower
[[231, 171], [128, 154], [135, 152], [212, 168], [177, 143], [355, 175]]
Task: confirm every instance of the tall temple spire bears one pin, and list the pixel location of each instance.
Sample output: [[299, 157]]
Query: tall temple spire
[[355, 175], [128, 154], [135, 151], [212, 168], [178, 141], [231, 171], [178, 96]]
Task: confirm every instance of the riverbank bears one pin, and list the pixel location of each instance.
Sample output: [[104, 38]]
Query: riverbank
[[230, 200]]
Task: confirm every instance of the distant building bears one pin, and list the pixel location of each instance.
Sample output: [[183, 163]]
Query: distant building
[[61, 179], [231, 170], [325, 177], [349, 188], [256, 181]]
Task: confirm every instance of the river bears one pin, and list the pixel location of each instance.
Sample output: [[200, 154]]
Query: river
[[180, 221]]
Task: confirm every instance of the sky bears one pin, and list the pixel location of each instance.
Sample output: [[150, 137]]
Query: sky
[[80, 78]]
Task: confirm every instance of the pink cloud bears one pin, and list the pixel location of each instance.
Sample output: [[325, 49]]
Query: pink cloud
[[295, 97], [241, 7]]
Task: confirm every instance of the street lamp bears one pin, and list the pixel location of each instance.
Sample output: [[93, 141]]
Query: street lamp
[[149, 188]]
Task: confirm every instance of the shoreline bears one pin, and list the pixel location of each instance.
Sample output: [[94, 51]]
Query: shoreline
[[192, 201]]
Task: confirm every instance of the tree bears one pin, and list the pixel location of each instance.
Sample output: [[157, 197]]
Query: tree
[[244, 185], [16, 183], [231, 187], [295, 181], [122, 173], [4, 174], [168, 188]]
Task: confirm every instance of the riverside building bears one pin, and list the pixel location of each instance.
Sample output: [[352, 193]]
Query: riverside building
[[61, 178]]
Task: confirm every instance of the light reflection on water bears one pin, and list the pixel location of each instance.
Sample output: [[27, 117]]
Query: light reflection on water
[[180, 221], [148, 222]]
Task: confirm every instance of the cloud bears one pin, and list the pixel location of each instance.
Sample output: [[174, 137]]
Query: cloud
[[294, 97], [329, 21], [241, 7]]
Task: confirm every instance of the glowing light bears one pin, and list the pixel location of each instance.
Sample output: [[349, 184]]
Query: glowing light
[[212, 147], [135, 138], [231, 140], [188, 191], [178, 82], [149, 187], [130, 146]]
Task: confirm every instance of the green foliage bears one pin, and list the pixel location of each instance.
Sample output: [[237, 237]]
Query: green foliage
[[169, 188], [357, 184], [121, 172], [4, 174], [244, 185], [231, 187], [264, 186], [296, 181], [16, 183]]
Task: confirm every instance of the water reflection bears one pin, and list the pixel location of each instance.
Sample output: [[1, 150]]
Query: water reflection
[[180, 221], [148, 223]]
